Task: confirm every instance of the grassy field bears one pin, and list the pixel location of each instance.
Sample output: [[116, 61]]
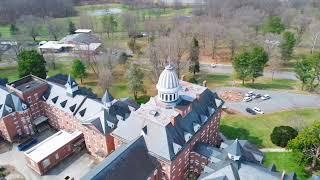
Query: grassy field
[[257, 129], [285, 161]]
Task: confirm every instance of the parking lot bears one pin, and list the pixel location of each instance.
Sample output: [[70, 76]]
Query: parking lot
[[74, 166], [279, 101]]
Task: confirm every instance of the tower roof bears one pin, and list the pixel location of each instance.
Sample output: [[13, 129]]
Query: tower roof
[[168, 79], [107, 97], [71, 82], [235, 148]]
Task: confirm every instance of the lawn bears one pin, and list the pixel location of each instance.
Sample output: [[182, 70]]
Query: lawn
[[5, 32], [257, 129], [285, 161]]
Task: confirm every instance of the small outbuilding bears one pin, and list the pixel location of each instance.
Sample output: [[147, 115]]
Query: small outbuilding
[[45, 155]]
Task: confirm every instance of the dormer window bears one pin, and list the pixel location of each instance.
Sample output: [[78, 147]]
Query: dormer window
[[9, 109], [24, 106]]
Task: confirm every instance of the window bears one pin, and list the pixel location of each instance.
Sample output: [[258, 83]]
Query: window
[[46, 163], [57, 156], [170, 97], [166, 97]]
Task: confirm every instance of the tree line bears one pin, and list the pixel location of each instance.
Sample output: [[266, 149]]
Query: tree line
[[12, 10]]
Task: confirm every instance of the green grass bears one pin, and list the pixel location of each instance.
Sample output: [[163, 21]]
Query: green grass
[[257, 129], [276, 84], [214, 80], [5, 31], [285, 161], [10, 72]]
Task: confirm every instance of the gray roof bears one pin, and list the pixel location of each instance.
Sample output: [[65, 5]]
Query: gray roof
[[248, 167], [131, 161], [88, 110], [107, 97], [80, 38], [9, 103], [164, 139]]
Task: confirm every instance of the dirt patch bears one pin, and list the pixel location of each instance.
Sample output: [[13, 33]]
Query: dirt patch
[[231, 96], [10, 172], [222, 56], [5, 146]]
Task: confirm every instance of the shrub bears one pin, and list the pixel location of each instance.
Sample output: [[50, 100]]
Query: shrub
[[281, 135]]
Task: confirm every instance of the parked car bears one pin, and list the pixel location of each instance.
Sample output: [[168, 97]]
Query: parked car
[[247, 99], [258, 110], [251, 111], [257, 96], [213, 65], [27, 144], [249, 94], [265, 97]]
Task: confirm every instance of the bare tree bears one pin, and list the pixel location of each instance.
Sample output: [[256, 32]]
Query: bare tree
[[314, 30], [86, 21], [272, 42], [30, 25], [55, 28], [130, 23], [301, 24]]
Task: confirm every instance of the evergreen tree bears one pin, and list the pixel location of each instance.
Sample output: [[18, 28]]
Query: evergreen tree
[[274, 25], [13, 29], [194, 66], [78, 69], [31, 62], [135, 80], [72, 28], [287, 45]]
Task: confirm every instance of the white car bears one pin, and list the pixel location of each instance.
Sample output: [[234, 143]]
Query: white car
[[265, 97], [258, 110], [249, 94], [213, 65], [247, 99]]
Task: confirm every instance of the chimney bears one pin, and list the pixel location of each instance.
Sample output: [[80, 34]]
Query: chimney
[[183, 77], [204, 83]]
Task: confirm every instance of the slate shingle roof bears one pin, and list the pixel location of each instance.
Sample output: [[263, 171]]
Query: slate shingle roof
[[131, 161], [9, 103], [163, 139]]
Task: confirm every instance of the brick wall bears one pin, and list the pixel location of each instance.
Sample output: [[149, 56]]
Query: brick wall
[[98, 144]]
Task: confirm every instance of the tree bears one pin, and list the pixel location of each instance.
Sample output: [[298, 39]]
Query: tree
[[31, 62], [30, 25], [194, 65], [250, 64], [281, 135], [109, 24], [130, 23], [55, 28], [85, 21], [135, 80], [307, 144], [78, 69], [287, 45], [308, 71], [13, 29], [274, 25], [134, 46], [314, 30], [72, 28]]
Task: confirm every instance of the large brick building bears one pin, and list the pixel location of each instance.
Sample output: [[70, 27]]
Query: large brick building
[[31, 101], [168, 126]]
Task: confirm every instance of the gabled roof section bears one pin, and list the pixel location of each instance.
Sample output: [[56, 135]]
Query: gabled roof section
[[235, 148], [107, 98], [130, 161], [71, 82], [9, 103]]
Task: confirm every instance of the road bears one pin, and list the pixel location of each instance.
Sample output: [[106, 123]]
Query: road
[[228, 69], [280, 101]]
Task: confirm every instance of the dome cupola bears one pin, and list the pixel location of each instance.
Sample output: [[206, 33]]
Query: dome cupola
[[168, 85]]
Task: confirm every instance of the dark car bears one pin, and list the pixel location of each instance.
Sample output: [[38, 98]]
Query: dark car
[[258, 96], [27, 144], [251, 111]]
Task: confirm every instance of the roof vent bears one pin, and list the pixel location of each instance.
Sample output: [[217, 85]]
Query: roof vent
[[73, 107], [24, 106], [82, 112], [55, 99], [63, 104], [176, 148], [154, 113], [145, 130]]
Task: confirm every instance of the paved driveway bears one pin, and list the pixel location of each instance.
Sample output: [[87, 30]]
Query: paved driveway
[[279, 101], [228, 69], [75, 166]]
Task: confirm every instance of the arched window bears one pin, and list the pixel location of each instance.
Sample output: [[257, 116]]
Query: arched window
[[166, 97], [170, 97], [174, 96]]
